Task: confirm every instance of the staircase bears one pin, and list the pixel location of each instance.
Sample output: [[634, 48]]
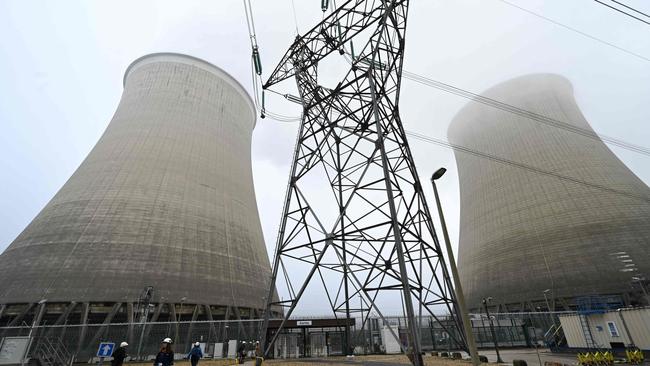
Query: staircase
[[586, 331], [554, 337], [52, 352]]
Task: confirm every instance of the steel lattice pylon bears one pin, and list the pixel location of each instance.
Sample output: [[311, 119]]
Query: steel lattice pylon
[[377, 238]]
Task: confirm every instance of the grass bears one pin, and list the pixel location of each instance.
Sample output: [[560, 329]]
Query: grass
[[331, 361], [369, 360], [205, 362]]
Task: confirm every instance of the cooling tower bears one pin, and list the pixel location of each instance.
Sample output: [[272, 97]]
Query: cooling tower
[[582, 231], [164, 199]]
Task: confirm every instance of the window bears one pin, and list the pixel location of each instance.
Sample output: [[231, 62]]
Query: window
[[613, 331]]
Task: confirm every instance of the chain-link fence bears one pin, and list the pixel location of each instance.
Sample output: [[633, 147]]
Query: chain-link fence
[[81, 342]]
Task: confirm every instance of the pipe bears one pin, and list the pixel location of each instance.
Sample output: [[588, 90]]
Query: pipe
[[627, 330]]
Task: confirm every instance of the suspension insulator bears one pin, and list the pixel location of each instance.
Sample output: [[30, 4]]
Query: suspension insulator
[[342, 48], [262, 110], [257, 61], [293, 98], [324, 5]]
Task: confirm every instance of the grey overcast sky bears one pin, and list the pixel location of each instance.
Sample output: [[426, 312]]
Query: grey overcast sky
[[62, 62]]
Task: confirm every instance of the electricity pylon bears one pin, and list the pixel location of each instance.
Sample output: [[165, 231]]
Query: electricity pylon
[[373, 239]]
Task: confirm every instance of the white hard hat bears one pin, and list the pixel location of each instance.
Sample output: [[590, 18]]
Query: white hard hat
[[197, 344], [244, 342], [167, 340], [123, 344]]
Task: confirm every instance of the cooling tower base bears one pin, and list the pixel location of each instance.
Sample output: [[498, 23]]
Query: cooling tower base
[[73, 313]]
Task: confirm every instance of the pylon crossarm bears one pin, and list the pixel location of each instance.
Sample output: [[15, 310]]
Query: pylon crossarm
[[343, 24]]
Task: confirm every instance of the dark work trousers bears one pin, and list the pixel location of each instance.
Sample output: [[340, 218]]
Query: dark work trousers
[[194, 361]]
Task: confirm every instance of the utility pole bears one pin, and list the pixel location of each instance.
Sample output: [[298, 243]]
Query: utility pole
[[377, 235]]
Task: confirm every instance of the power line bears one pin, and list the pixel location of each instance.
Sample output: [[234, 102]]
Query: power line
[[577, 31], [631, 8], [623, 12], [295, 16], [522, 112], [552, 122], [520, 165], [465, 94], [525, 113]]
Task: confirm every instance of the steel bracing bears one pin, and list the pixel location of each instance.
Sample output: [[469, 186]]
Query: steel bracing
[[371, 239]]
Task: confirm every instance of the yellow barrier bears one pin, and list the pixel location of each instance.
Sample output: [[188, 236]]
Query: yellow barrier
[[635, 357], [585, 359], [597, 358]]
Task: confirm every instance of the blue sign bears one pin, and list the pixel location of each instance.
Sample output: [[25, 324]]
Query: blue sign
[[105, 349]]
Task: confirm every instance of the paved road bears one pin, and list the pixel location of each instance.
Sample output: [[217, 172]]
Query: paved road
[[508, 355], [530, 356]]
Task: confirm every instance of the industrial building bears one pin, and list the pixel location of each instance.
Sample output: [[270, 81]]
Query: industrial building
[[549, 215], [615, 329], [159, 221]]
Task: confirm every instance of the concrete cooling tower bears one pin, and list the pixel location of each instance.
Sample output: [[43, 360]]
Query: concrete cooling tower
[[525, 234], [165, 199]]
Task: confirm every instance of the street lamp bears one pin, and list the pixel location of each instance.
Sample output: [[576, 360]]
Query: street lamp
[[485, 301], [467, 326], [548, 307], [178, 322], [180, 312], [640, 280]]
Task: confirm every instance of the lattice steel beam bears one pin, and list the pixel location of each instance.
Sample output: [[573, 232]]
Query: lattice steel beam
[[377, 237]]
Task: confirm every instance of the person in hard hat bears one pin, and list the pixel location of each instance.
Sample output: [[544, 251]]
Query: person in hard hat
[[241, 350], [195, 354], [119, 355], [165, 356], [258, 350]]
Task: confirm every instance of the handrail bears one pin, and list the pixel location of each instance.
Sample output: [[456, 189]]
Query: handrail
[[552, 327], [53, 352]]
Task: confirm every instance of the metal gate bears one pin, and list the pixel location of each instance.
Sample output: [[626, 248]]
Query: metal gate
[[317, 344], [286, 346]]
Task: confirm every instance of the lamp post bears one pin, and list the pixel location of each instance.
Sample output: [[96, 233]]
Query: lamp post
[[640, 280], [485, 301], [178, 321], [548, 307], [467, 326]]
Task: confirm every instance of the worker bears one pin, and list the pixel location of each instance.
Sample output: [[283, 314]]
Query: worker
[[195, 354], [119, 355], [165, 356], [240, 351]]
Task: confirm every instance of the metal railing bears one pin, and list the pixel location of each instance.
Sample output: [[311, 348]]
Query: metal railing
[[60, 345], [52, 352]]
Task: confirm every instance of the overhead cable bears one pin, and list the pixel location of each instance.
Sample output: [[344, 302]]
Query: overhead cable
[[465, 94], [552, 122], [576, 31], [520, 165], [567, 126], [624, 12], [631, 8]]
